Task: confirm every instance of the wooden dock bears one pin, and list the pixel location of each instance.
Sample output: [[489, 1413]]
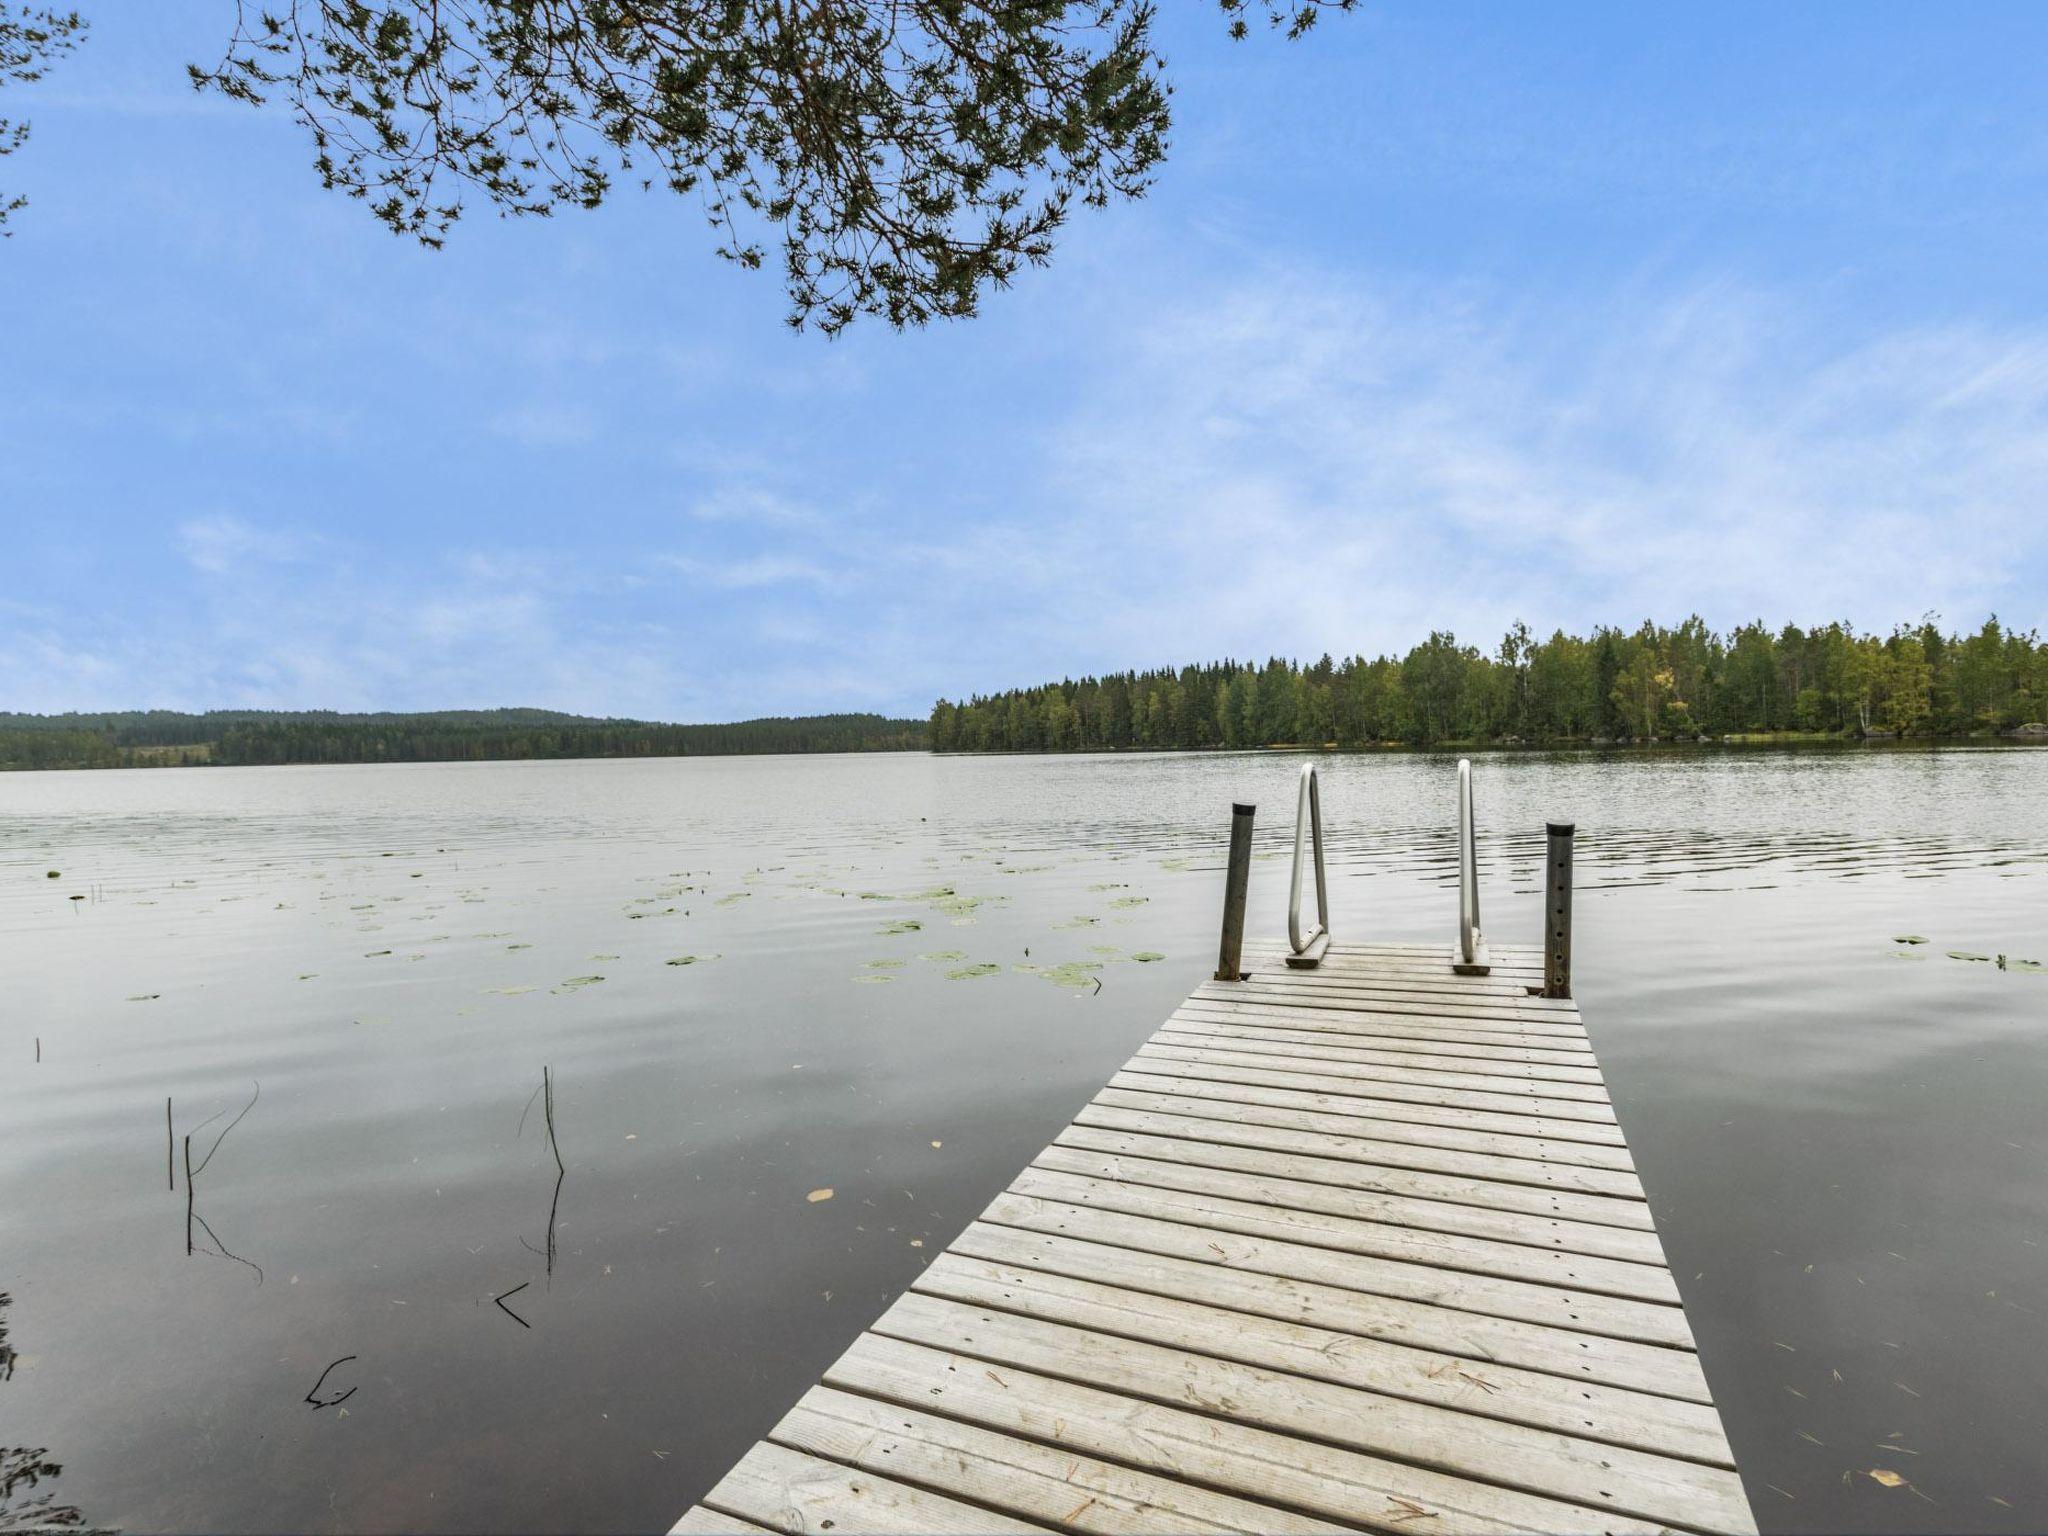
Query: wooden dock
[[1352, 1248]]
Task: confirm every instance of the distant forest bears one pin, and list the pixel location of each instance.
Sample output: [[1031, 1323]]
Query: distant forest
[[1651, 684], [166, 738]]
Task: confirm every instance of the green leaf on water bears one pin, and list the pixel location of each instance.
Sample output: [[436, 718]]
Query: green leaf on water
[[901, 925], [970, 972], [1964, 954], [693, 959], [1147, 956], [1909, 938], [944, 956], [1073, 973], [885, 965], [579, 981], [1130, 901], [874, 977]]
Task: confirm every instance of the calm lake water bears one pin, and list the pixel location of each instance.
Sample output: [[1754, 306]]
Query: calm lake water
[[1843, 1136]]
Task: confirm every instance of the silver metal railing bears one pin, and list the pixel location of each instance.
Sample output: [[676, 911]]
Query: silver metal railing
[[1308, 828], [1471, 958]]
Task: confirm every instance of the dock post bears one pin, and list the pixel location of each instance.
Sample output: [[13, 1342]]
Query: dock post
[[1557, 911], [1235, 884]]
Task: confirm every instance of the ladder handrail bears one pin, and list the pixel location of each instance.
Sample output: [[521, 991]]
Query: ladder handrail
[[1308, 823], [1471, 942]]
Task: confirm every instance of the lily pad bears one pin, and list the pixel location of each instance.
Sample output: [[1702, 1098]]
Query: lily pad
[[1908, 938], [874, 977], [886, 965], [901, 925], [944, 956], [693, 959], [579, 981], [1964, 954], [1073, 973], [1130, 901], [1147, 956], [971, 972]]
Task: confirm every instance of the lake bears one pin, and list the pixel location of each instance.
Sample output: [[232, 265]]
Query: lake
[[897, 977]]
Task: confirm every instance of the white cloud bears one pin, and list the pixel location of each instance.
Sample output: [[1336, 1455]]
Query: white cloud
[[222, 544]]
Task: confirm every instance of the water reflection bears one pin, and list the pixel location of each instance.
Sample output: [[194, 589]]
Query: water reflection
[[25, 1504]]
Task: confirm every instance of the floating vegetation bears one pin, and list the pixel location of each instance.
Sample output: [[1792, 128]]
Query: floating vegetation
[[961, 909], [729, 900], [1964, 954], [519, 946], [1111, 885], [1176, 865], [874, 977], [508, 991], [53, 874], [1909, 938], [579, 981], [900, 925], [1110, 950], [1079, 920], [1073, 973], [693, 959], [1130, 901], [145, 997], [1023, 869], [371, 954], [2027, 965], [886, 965], [970, 972], [1147, 956], [944, 956]]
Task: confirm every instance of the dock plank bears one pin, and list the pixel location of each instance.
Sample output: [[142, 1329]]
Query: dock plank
[[1353, 1248]]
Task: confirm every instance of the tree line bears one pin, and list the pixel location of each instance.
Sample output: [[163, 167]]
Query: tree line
[[146, 738], [1651, 684]]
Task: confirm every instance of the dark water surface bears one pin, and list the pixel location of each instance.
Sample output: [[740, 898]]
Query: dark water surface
[[1845, 1138]]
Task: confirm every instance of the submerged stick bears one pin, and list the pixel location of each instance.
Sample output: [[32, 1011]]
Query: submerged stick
[[188, 1197]]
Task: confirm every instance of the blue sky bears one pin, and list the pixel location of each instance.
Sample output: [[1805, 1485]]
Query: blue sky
[[1444, 316]]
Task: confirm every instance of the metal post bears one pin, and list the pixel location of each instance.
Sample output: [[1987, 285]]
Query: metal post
[[1471, 957], [1557, 911], [1235, 884]]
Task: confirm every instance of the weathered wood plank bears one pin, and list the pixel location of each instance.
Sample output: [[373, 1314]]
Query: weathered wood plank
[[1362, 1223], [1562, 1467], [1289, 1180], [1389, 1000], [1388, 1142], [1311, 1285], [1374, 1101], [789, 1491], [1475, 1066], [1411, 1262], [1564, 1101], [1372, 1032], [1311, 1151], [1379, 1119], [1417, 1025], [1660, 1424], [1368, 1491], [1053, 1484]]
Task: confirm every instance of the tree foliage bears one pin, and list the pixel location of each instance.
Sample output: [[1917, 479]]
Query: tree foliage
[[1650, 684], [31, 38], [168, 738], [912, 154]]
